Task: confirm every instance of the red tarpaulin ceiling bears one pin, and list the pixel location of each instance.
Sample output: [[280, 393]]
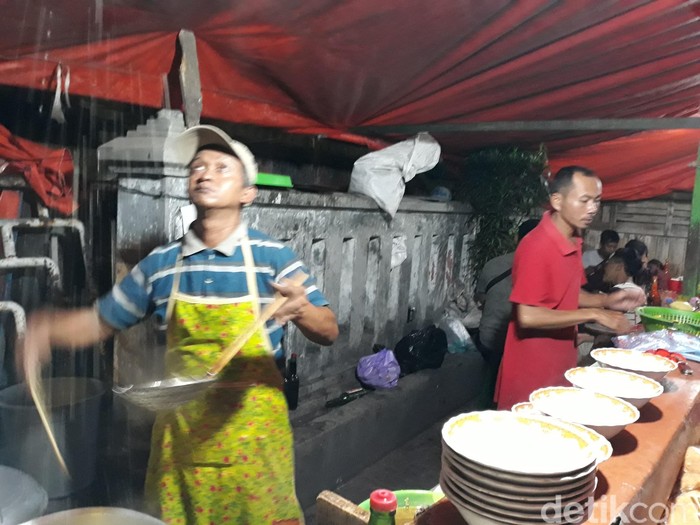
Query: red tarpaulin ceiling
[[334, 68]]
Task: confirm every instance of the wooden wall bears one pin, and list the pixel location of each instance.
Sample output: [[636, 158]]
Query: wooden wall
[[660, 223]]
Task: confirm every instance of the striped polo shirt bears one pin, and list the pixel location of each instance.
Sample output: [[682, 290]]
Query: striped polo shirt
[[216, 273]]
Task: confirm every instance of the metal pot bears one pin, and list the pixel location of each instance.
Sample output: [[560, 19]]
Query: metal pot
[[96, 516], [21, 497]]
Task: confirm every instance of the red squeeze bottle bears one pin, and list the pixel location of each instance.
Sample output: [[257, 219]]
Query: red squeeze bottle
[[382, 505]]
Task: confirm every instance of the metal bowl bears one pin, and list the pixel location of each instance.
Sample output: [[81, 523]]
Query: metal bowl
[[96, 516], [167, 394]]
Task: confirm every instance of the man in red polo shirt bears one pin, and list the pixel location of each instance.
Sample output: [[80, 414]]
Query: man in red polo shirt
[[547, 297]]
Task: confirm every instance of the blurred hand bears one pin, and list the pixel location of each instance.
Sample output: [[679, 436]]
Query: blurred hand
[[626, 299], [615, 321], [296, 301], [34, 349]]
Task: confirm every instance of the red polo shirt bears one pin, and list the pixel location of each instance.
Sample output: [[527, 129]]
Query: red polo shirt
[[547, 272]]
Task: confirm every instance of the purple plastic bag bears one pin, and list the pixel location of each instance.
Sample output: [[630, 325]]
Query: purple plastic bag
[[380, 370]]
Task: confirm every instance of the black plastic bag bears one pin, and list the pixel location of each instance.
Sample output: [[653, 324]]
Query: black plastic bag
[[421, 349]]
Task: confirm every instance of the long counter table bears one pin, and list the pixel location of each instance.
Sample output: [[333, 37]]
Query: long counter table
[[634, 485]]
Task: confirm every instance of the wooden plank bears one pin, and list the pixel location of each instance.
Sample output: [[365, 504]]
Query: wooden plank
[[332, 509], [189, 79], [629, 124], [691, 277]]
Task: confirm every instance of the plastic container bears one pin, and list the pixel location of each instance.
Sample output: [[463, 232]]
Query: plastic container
[[658, 318], [410, 501], [272, 179], [74, 407], [21, 497]]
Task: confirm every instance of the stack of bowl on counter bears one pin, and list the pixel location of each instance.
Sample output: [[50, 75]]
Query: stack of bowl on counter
[[538, 463]]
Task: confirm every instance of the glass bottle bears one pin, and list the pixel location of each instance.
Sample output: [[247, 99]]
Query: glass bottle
[[665, 276], [654, 296], [346, 397], [382, 507], [291, 383]]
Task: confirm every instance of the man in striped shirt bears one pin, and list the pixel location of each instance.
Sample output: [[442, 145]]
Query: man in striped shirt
[[227, 455], [209, 273]]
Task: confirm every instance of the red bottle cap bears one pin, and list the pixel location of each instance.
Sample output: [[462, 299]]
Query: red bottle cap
[[382, 500]]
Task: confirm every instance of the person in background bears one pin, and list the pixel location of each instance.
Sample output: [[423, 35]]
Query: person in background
[[609, 239], [620, 271], [547, 298], [640, 249], [226, 457], [646, 275], [492, 297], [654, 266]]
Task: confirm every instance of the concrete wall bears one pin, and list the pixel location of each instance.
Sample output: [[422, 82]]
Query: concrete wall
[[347, 244]]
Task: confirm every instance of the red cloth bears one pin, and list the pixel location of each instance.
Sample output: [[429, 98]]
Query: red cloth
[[640, 166], [547, 272], [49, 172]]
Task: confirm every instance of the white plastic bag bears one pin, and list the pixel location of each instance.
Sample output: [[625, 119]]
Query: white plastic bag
[[383, 174], [458, 339]]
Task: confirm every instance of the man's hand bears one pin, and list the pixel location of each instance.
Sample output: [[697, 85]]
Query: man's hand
[[625, 300], [296, 303], [614, 320]]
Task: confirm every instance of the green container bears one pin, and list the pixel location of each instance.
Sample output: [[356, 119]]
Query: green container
[[272, 179], [660, 318], [411, 498]]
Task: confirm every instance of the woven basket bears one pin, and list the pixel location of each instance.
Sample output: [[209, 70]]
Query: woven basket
[[658, 318]]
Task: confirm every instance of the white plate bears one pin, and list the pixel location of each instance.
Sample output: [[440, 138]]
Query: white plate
[[633, 388], [649, 365], [517, 443], [605, 414]]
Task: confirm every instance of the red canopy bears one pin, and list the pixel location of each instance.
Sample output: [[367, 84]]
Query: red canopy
[[334, 68], [641, 166], [49, 172]]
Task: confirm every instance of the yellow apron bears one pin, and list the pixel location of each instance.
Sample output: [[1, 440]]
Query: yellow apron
[[226, 457]]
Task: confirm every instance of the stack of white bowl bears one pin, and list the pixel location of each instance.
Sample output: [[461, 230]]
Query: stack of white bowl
[[507, 468]]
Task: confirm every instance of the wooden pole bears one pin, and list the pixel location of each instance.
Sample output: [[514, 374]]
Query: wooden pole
[[189, 79], [691, 279]]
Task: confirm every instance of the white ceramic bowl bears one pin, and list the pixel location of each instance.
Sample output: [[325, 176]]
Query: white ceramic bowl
[[650, 365], [526, 408], [478, 513], [517, 443], [605, 414], [633, 388], [469, 486], [515, 484]]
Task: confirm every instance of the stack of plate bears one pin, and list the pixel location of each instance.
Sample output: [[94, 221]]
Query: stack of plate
[[506, 468]]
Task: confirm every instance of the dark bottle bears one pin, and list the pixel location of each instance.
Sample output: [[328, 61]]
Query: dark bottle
[[291, 383], [346, 397], [382, 507], [654, 296]]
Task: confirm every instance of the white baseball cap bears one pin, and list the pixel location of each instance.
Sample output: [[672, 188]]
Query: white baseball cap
[[188, 143]]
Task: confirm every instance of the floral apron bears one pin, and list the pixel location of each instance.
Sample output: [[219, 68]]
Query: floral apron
[[226, 457]]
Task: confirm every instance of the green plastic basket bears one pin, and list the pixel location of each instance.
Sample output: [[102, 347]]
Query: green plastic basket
[[659, 318]]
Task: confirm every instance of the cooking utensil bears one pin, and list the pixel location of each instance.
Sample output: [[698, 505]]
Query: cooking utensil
[[169, 394]]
